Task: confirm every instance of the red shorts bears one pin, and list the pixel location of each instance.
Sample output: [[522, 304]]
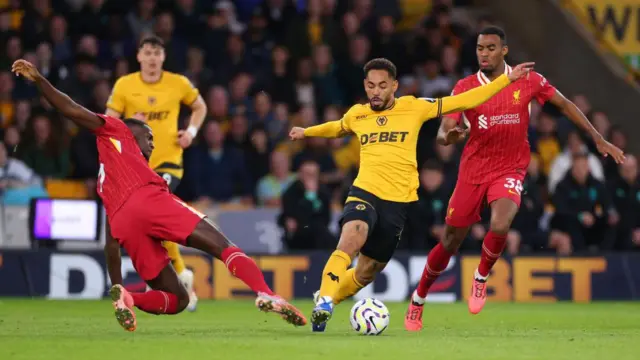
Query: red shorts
[[467, 199], [150, 216]]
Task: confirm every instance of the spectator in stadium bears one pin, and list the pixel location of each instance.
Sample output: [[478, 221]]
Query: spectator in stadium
[[317, 150], [262, 113], [44, 149], [448, 157], [18, 183], [62, 48], [624, 190], [258, 154], [562, 163], [547, 144], [350, 71], [325, 81], [389, 44], [525, 233], [432, 80], [219, 172], [278, 129], [239, 99], [238, 135], [6, 97], [279, 81], [306, 211], [200, 76], [270, 187], [310, 29], [583, 211], [83, 77], [218, 105], [425, 224]]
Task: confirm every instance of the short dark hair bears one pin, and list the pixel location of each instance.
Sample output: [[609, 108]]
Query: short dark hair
[[130, 122], [495, 30], [152, 40], [381, 64]]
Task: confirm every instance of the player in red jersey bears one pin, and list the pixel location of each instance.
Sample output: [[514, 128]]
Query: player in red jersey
[[493, 165], [141, 212]]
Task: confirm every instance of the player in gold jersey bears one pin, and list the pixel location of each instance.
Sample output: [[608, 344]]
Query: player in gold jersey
[[155, 95], [387, 183]]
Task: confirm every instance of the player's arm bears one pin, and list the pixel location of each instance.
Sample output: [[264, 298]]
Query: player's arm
[[59, 100], [330, 129], [450, 132], [570, 110], [112, 256], [192, 98], [472, 98]]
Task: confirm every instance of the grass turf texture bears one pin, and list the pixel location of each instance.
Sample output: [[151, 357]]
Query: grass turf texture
[[69, 330]]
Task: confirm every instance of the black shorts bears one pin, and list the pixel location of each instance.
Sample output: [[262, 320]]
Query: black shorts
[[386, 220], [172, 180]]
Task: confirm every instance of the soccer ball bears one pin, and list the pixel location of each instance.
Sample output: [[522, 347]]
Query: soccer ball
[[369, 317]]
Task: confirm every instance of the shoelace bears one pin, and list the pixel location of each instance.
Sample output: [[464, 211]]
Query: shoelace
[[479, 289], [413, 314]]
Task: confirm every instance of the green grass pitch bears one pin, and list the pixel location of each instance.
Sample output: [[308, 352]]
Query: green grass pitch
[[69, 330]]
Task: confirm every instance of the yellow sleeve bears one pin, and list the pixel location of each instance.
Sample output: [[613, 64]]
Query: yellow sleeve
[[468, 99], [116, 100], [189, 92], [331, 129]]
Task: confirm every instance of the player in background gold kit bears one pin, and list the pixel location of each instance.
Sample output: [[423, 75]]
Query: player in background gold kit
[[376, 207], [155, 95]]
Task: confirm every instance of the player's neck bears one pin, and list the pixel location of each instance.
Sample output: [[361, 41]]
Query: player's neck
[[497, 72], [151, 77]]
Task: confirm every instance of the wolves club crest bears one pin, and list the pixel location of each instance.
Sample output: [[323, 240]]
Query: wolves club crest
[[381, 120], [152, 100]]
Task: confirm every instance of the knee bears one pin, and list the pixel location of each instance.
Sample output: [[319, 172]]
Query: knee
[[353, 236], [500, 225], [452, 239]]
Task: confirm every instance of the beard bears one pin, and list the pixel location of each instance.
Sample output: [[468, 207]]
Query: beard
[[384, 105]]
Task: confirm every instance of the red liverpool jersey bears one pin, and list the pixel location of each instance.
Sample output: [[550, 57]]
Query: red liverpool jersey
[[123, 168], [498, 141]]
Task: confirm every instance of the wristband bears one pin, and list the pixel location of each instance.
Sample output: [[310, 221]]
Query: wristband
[[192, 130]]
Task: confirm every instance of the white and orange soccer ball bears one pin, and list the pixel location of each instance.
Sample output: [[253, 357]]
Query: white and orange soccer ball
[[369, 317]]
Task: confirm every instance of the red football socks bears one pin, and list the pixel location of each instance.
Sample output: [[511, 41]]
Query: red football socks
[[245, 269], [437, 262], [156, 302], [492, 247]]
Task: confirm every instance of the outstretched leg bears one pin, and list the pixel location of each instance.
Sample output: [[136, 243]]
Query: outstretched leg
[[207, 237]]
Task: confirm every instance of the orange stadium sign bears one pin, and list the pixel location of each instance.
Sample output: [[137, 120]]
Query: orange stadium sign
[[615, 23]]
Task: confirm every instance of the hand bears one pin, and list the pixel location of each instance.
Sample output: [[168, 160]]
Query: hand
[[520, 71], [606, 148], [456, 134], [636, 237], [296, 133], [291, 225], [26, 69], [587, 219], [184, 139]]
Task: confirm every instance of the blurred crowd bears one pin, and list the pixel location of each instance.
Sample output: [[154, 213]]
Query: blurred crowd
[[263, 66]]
